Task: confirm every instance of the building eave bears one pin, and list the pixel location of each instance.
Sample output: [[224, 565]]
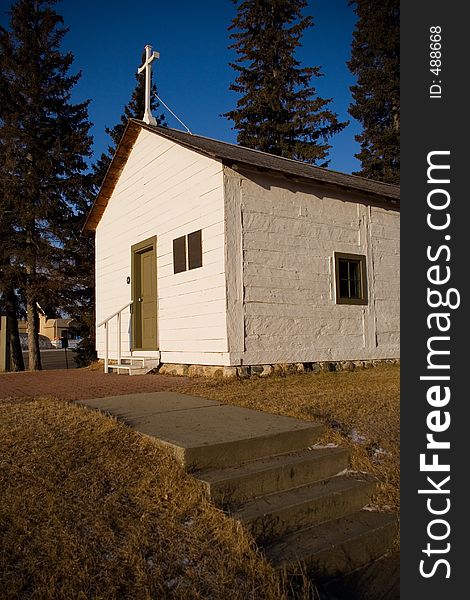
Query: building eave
[[232, 155]]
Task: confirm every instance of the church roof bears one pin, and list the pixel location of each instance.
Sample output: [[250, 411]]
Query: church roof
[[233, 155]]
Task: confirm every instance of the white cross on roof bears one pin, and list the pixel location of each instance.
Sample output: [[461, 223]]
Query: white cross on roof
[[149, 58]]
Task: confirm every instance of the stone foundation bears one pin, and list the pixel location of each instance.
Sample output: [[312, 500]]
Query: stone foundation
[[283, 369]]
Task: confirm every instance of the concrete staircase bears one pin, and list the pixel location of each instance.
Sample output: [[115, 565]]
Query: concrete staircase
[[133, 365], [304, 506], [299, 499]]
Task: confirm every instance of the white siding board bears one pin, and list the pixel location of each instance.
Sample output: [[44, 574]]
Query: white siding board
[[211, 267], [198, 309], [183, 286], [196, 358], [186, 322], [195, 345], [195, 333], [166, 191], [202, 297]]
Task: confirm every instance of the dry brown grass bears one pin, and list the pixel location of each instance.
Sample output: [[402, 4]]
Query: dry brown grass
[[91, 509], [361, 409]]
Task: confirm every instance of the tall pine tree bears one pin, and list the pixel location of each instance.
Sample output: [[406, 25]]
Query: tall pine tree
[[375, 60], [279, 111], [9, 276], [45, 143], [134, 109], [9, 282]]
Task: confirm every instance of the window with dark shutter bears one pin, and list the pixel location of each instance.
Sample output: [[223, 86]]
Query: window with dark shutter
[[195, 250], [179, 254], [187, 252], [351, 278]]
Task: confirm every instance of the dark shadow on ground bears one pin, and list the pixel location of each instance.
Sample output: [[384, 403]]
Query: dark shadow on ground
[[378, 581]]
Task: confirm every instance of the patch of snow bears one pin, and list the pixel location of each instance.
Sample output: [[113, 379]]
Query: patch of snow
[[186, 562], [171, 583], [378, 454], [356, 437], [320, 446]]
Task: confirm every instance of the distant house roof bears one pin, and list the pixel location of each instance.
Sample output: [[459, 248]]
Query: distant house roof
[[232, 155]]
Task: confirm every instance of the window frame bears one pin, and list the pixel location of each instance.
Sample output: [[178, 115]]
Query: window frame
[[177, 242], [359, 259], [194, 261], [188, 263]]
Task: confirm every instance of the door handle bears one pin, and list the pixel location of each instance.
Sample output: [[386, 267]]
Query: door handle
[[140, 299]]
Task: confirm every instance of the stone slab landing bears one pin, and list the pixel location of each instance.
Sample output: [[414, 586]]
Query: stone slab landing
[[204, 433], [298, 499]]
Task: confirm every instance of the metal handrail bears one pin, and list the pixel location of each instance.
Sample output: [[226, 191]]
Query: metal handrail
[[105, 323], [115, 314]]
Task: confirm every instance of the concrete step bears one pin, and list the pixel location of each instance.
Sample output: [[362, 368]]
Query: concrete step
[[234, 485], [141, 361], [250, 436], [276, 514], [127, 369], [336, 547], [205, 434], [133, 360], [134, 365]]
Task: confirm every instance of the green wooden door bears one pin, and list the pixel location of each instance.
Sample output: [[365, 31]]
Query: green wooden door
[[145, 295]]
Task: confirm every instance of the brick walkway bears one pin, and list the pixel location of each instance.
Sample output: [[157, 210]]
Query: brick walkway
[[81, 384]]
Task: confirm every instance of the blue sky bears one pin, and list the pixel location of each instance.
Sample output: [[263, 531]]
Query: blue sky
[[107, 38]]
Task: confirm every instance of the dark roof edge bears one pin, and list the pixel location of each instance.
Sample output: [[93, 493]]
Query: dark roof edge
[[322, 175], [231, 154]]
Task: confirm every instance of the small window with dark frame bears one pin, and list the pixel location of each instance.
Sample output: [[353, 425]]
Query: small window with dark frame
[[195, 250], [187, 252], [351, 278]]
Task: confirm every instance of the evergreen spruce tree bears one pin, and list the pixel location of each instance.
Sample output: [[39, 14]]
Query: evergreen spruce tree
[[45, 143], [78, 298], [134, 109], [9, 279], [279, 111], [375, 60], [8, 272]]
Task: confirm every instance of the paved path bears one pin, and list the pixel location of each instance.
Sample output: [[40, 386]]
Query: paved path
[[82, 384]]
